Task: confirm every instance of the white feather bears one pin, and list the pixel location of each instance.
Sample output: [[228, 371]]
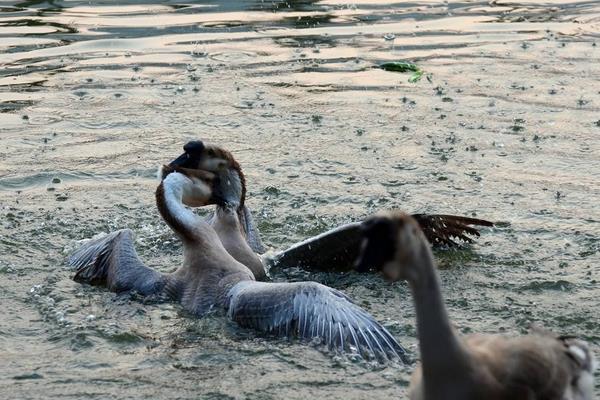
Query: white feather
[[175, 184]]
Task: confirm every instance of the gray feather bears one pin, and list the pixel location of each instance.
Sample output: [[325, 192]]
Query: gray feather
[[309, 310], [112, 261]]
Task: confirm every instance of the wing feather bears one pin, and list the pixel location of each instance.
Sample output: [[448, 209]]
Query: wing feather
[[441, 229], [112, 261], [338, 248], [309, 310]]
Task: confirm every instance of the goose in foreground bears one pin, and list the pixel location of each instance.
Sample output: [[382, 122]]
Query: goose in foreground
[[335, 249], [212, 279], [536, 366]]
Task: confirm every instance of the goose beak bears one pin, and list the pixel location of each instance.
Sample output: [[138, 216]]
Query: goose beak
[[180, 161], [197, 156], [193, 152]]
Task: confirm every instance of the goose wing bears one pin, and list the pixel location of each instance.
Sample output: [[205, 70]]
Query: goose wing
[[335, 250], [444, 230], [338, 248], [112, 261], [309, 310]]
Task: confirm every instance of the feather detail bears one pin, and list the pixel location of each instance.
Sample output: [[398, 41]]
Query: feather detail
[[111, 260], [309, 310]]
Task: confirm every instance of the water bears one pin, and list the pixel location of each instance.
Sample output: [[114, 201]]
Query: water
[[97, 95]]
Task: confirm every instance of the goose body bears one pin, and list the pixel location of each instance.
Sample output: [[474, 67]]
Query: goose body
[[532, 367], [212, 279]]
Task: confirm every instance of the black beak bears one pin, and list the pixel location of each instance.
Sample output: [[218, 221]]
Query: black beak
[[190, 159], [193, 152], [180, 161]]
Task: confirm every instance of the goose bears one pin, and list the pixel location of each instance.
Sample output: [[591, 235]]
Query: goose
[[335, 249], [211, 279], [540, 365], [232, 219]]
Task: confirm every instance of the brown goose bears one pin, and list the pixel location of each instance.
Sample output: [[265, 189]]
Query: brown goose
[[232, 219], [335, 249], [536, 366], [212, 279]]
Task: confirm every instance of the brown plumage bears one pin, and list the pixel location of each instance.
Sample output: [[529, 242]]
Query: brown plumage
[[232, 219], [206, 157], [536, 366], [218, 152]]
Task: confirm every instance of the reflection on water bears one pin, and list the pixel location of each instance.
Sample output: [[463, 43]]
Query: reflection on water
[[93, 96]]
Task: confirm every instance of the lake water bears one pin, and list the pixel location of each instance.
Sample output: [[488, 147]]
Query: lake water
[[94, 96]]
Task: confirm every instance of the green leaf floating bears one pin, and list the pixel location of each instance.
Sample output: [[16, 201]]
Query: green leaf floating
[[404, 66], [399, 66]]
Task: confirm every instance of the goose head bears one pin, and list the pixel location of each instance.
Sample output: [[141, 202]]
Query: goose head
[[393, 243], [229, 189], [199, 190]]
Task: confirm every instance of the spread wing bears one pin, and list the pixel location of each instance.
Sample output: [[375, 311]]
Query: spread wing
[[334, 250], [309, 310], [444, 230], [112, 261], [338, 248]]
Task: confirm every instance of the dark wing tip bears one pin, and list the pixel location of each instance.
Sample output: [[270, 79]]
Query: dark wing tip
[[446, 230]]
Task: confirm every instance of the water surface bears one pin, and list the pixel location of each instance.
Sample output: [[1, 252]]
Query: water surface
[[93, 96]]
